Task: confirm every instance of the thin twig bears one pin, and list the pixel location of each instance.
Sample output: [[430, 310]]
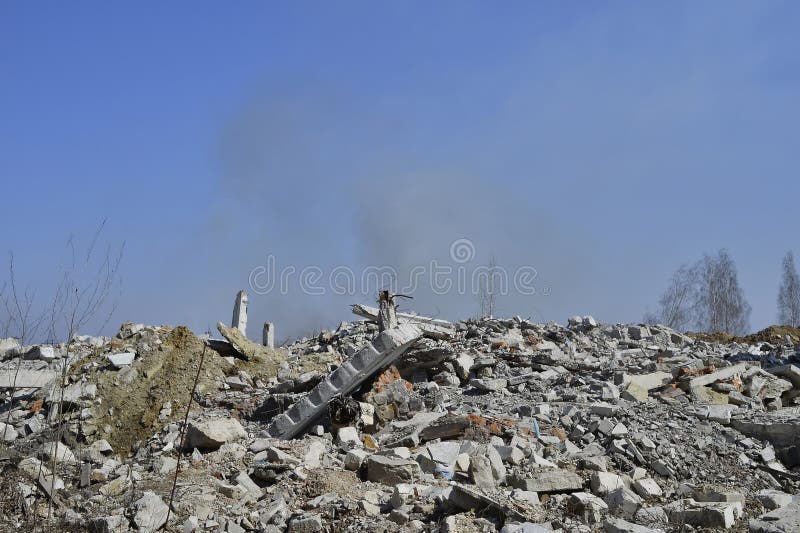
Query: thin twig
[[183, 433], [60, 424], [19, 313]]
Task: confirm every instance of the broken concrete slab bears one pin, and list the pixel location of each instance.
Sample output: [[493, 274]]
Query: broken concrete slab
[[717, 494], [525, 527], [405, 494], [355, 458], [618, 525], [781, 427], [7, 432], [150, 512], [742, 370], [248, 350], [469, 499], [790, 373], [604, 408], [647, 488], [624, 501], [588, 506], [348, 437], [717, 413], [634, 392], [306, 523], [25, 379], [387, 347], [720, 515], [407, 432], [526, 497], [444, 453], [604, 482], [648, 382], [59, 451], [431, 327], [249, 485], [480, 472], [773, 499], [211, 433], [547, 481], [489, 385], [638, 332], [392, 470], [120, 360], [783, 520], [463, 364]]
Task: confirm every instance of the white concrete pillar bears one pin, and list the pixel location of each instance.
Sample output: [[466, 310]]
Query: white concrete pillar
[[240, 313], [269, 335]]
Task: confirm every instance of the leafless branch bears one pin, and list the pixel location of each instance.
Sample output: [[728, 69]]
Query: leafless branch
[[78, 300]]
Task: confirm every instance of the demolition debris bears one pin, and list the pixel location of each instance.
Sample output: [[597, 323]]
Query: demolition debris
[[398, 422]]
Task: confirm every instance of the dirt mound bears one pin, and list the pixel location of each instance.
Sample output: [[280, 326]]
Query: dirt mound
[[133, 398], [718, 336], [775, 335], [139, 400], [771, 334]]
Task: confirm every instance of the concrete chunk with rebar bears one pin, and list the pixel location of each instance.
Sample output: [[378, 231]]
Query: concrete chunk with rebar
[[431, 327], [387, 346]]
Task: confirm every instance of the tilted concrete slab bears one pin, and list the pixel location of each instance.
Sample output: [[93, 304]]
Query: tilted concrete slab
[[743, 370], [431, 327], [25, 379], [781, 427], [787, 372], [387, 346], [649, 381], [783, 520]]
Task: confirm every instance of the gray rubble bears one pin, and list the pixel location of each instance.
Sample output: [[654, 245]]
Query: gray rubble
[[491, 425]]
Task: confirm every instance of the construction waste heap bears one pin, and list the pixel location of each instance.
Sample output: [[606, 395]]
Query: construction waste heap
[[396, 422]]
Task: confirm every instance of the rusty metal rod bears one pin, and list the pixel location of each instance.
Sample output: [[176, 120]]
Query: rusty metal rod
[[183, 434]]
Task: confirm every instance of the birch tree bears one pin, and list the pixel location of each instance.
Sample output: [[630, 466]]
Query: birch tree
[[789, 294]]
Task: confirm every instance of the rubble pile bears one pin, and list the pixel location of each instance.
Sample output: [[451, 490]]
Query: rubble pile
[[403, 423]]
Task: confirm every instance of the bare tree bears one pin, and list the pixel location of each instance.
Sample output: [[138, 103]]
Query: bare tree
[[722, 306], [82, 290], [82, 293], [5, 322], [789, 293], [677, 307], [705, 296], [486, 294], [20, 320]]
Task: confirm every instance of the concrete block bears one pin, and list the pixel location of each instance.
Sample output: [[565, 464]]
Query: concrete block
[[555, 480]]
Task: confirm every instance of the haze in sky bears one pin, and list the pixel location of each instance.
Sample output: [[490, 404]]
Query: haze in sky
[[589, 148]]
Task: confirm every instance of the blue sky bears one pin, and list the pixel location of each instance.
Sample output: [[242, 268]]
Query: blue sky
[[603, 144]]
